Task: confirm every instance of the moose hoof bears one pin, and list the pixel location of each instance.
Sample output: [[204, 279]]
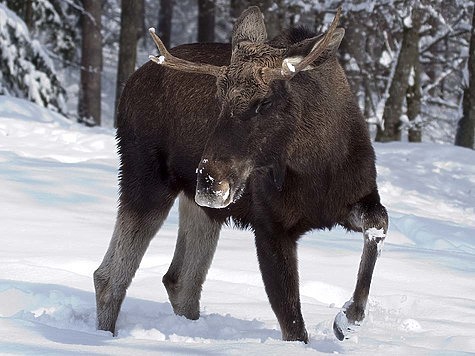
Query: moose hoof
[[301, 336], [189, 313], [343, 327]]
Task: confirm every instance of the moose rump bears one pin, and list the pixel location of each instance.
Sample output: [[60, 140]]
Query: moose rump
[[266, 133]]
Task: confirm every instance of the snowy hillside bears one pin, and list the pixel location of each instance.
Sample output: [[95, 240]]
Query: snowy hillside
[[57, 201]]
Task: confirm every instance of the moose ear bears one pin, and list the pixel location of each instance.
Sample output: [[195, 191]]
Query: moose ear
[[300, 50], [249, 26]]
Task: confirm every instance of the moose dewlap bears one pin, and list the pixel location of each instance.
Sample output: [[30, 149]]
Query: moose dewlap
[[266, 133]]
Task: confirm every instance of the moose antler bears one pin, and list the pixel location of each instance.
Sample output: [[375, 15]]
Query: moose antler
[[168, 60], [289, 70]]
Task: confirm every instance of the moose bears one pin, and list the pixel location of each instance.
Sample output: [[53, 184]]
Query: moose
[[266, 133]]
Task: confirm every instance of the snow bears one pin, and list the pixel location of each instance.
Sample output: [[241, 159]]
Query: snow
[[224, 193], [290, 66], [29, 69], [375, 234], [345, 327], [412, 77], [58, 204]]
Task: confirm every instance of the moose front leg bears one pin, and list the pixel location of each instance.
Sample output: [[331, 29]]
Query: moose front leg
[[370, 217], [197, 239], [277, 257], [132, 235]]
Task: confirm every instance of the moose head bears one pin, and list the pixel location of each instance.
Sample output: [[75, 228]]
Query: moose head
[[260, 104]]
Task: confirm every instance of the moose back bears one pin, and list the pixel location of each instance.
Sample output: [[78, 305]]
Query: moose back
[[266, 133]]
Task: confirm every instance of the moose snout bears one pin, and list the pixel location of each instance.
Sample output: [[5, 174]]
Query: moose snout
[[211, 190]]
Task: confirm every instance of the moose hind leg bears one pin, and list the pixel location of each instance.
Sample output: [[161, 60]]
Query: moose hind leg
[[132, 234], [197, 239], [370, 217]]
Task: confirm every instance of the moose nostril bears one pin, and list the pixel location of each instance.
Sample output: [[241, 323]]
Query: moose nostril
[[223, 189], [223, 185]]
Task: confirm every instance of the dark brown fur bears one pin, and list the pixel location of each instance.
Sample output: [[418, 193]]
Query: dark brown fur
[[308, 156]]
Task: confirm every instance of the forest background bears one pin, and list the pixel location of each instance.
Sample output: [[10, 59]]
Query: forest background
[[411, 63]]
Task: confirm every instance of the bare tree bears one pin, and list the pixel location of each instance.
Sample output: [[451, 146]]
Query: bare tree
[[466, 126], [129, 32], [165, 16], [353, 49], [408, 55], [413, 100], [89, 104], [206, 20], [274, 15], [414, 91], [237, 7], [370, 51], [141, 30], [29, 14]]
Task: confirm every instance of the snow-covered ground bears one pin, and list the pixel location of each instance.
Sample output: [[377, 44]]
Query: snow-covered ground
[[58, 195]]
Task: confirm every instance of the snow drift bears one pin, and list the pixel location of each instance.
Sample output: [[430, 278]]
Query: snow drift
[[58, 202]]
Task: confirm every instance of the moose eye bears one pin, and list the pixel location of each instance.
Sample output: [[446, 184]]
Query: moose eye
[[263, 105]]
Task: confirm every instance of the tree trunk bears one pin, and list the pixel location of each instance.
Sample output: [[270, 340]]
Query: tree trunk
[[353, 49], [127, 46], [89, 104], [24, 9], [206, 20], [400, 81], [274, 16], [414, 93], [237, 7], [413, 99], [29, 14], [165, 21], [141, 30], [465, 136]]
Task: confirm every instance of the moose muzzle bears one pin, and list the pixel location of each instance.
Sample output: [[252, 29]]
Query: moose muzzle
[[218, 184]]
